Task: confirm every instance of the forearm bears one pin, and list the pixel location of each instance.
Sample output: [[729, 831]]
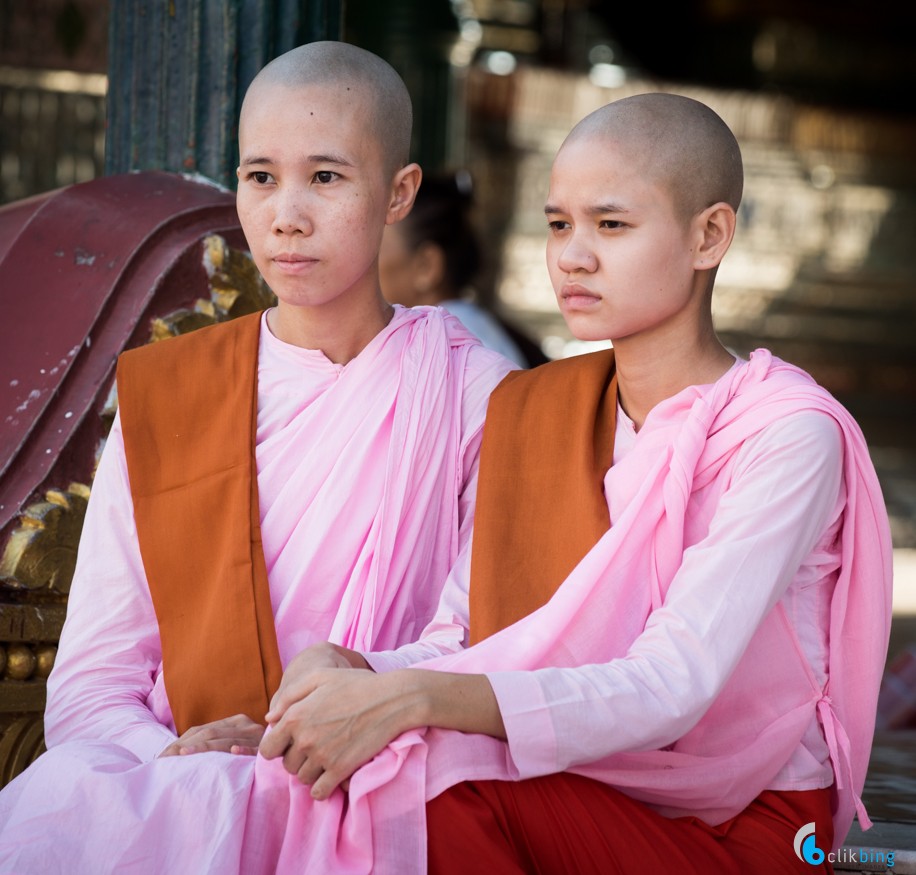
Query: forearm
[[446, 700], [83, 708], [331, 722]]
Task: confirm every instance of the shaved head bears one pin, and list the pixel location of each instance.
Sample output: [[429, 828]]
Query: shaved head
[[680, 142], [337, 64]]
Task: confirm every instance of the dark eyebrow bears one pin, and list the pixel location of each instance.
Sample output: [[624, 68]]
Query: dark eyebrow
[[604, 209], [338, 160], [596, 210]]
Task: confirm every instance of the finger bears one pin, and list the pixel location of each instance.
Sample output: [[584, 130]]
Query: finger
[[294, 759], [309, 772], [288, 694], [295, 690], [223, 745], [243, 750], [325, 784], [274, 743]]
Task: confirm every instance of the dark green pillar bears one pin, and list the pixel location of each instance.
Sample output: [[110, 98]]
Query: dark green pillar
[[178, 70], [416, 37]]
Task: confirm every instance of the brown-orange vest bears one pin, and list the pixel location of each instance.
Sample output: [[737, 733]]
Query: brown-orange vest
[[548, 441], [188, 409]]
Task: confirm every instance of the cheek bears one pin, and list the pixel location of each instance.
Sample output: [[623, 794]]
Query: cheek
[[251, 215], [552, 255]]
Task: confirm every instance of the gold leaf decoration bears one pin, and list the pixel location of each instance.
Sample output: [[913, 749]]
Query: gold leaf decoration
[[41, 553], [236, 289]]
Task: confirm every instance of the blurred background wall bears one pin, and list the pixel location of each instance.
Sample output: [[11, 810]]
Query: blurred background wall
[[822, 98]]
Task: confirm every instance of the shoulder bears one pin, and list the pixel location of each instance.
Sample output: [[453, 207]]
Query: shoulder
[[809, 440], [480, 361], [484, 370]]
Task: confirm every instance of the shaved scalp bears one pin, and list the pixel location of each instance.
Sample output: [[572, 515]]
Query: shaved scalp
[[337, 63], [679, 141]]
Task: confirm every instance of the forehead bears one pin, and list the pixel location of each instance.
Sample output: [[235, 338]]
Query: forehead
[[597, 169], [283, 116]]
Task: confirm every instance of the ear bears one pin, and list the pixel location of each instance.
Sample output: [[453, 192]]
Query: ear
[[714, 228], [404, 187]]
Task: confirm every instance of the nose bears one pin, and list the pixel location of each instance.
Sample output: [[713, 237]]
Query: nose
[[291, 215], [577, 255]]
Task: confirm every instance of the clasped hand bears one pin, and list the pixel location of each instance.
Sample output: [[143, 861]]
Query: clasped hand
[[238, 735], [326, 723]]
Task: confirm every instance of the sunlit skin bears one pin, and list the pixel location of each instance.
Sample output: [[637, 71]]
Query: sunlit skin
[[313, 198], [627, 268]]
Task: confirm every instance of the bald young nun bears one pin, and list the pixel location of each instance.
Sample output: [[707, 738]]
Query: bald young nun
[[318, 490]]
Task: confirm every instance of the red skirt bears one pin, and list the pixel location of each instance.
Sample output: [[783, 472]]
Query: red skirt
[[565, 823]]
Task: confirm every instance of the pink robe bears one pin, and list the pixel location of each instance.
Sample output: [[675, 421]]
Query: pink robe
[[215, 813]]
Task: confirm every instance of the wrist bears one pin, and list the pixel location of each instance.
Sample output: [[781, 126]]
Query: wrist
[[415, 693], [353, 657]]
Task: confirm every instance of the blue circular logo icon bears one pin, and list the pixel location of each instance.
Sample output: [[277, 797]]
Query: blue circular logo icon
[[806, 846]]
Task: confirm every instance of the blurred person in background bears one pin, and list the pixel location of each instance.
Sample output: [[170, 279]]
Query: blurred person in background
[[433, 257]]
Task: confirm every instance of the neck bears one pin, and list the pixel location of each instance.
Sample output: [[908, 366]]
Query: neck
[[650, 370], [340, 332]]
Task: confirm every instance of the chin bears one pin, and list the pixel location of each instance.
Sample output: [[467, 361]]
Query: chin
[[584, 329]]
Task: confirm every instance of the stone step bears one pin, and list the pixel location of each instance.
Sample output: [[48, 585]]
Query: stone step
[[890, 797]]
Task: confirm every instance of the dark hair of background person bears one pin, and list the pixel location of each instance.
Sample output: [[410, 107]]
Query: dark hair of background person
[[441, 216]]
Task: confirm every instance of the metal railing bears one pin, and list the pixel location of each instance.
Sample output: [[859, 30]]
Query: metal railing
[[52, 130]]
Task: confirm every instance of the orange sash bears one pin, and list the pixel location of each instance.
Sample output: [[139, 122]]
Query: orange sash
[[548, 441], [188, 408]]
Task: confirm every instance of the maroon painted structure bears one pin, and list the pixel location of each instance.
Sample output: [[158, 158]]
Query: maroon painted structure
[[82, 271]]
